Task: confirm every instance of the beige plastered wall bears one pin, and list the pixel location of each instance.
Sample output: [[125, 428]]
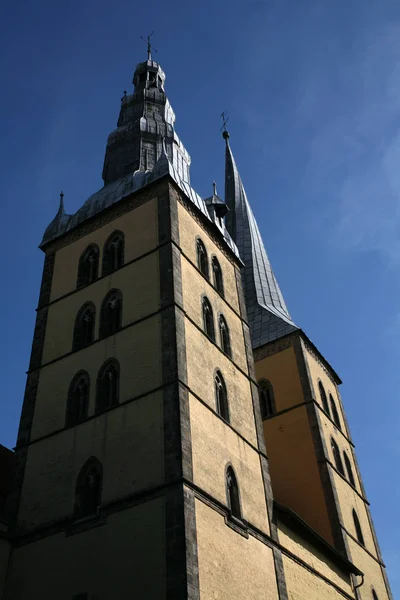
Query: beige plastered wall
[[372, 572], [231, 566], [189, 230], [214, 446], [314, 557], [127, 440], [123, 559], [293, 464], [141, 235]]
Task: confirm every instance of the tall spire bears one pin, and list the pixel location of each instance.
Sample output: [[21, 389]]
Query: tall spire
[[267, 313]]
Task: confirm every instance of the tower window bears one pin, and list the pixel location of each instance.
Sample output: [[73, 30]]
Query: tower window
[[88, 266], [224, 336], [84, 327], [113, 253], [324, 399], [107, 392], [111, 313], [88, 489], [78, 399], [374, 595], [335, 413], [337, 457], [357, 527], [202, 259], [208, 319], [266, 396], [233, 493], [221, 397], [217, 275], [349, 469]]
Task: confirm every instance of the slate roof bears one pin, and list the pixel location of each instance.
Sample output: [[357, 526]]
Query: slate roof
[[267, 313]]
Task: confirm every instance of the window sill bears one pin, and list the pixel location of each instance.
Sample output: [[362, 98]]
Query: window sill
[[237, 525], [85, 523]]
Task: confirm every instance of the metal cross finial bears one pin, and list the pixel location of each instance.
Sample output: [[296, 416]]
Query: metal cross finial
[[149, 45], [214, 188], [225, 119], [61, 195]]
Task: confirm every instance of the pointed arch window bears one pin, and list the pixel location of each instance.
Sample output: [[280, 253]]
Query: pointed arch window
[[357, 527], [84, 327], [221, 397], [111, 313], [349, 469], [113, 253], [335, 414], [88, 489], [88, 267], [107, 391], [324, 399], [233, 493], [208, 319], [217, 275], [374, 595], [224, 335], [337, 457], [202, 258], [266, 397], [78, 399]]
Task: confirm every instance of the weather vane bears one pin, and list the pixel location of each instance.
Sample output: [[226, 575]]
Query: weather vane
[[149, 45]]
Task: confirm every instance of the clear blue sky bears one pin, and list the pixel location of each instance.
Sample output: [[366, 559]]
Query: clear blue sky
[[313, 93]]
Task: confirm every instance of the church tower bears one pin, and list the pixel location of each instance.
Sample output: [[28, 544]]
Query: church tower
[[163, 359]]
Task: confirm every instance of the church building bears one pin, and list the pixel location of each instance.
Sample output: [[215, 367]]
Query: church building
[[181, 437]]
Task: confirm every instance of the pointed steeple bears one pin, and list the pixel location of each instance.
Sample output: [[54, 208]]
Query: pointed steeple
[[267, 313]]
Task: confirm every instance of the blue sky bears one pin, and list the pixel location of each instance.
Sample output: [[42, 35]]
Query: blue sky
[[313, 93]]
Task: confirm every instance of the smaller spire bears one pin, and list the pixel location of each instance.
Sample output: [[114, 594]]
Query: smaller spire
[[61, 207], [214, 189]]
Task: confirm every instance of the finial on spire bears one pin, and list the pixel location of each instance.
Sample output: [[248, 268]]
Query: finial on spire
[[61, 207], [214, 189], [224, 130], [149, 45]]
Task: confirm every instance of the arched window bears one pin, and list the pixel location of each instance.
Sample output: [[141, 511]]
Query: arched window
[[88, 266], [202, 259], [217, 275], [224, 336], [266, 396], [221, 397], [357, 527], [233, 493], [337, 457], [78, 399], [349, 469], [88, 489], [374, 595], [324, 399], [335, 413], [113, 253], [84, 327], [208, 319], [107, 391], [111, 313]]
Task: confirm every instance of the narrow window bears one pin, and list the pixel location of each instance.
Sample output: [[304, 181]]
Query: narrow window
[[107, 392], [202, 259], [208, 319], [374, 595], [217, 275], [324, 399], [357, 527], [266, 396], [78, 399], [88, 266], [84, 327], [221, 397], [233, 493], [337, 457], [111, 313], [224, 336], [88, 489], [349, 469], [335, 413], [113, 253]]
